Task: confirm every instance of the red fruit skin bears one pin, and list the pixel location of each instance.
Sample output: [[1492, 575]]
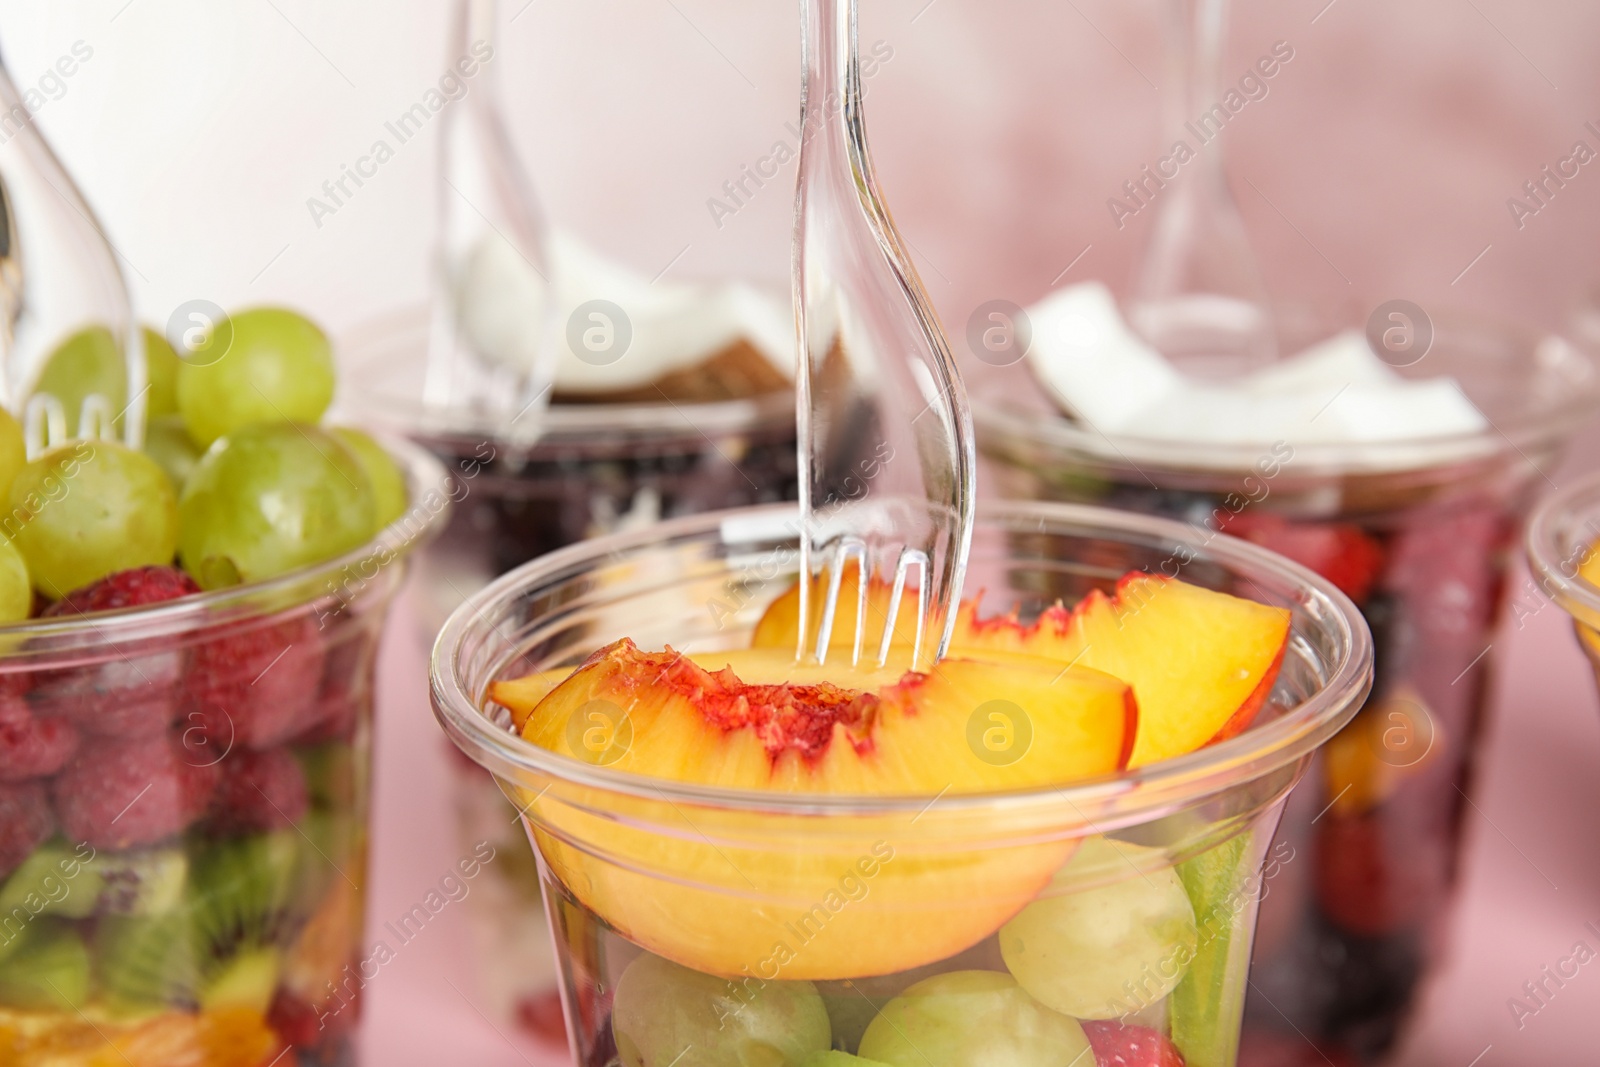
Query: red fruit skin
[[122, 794], [30, 746], [1116, 1045], [259, 791], [256, 685], [1341, 552], [125, 589], [25, 823]]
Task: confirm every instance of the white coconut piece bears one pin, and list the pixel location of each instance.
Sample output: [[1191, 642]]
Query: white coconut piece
[[673, 326], [1336, 392]]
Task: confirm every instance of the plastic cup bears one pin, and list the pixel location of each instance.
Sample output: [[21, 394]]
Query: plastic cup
[[183, 839], [1562, 538], [800, 915], [1419, 534], [593, 470]]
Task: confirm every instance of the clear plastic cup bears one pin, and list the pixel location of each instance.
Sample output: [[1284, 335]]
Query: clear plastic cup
[[1563, 535], [184, 815], [595, 469], [1419, 534], [809, 912]]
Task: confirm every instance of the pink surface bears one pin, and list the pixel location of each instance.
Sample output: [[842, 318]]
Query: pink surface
[[1532, 873]]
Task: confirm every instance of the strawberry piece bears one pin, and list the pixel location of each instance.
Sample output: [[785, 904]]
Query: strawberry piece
[[1116, 1045], [30, 746], [1341, 552], [258, 791], [119, 794], [25, 823], [133, 692], [295, 1020], [125, 589], [256, 685]]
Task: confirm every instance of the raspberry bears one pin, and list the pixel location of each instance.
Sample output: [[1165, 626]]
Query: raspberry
[[1116, 1045], [256, 685], [126, 589], [25, 823], [258, 791], [119, 794], [132, 696], [32, 747]]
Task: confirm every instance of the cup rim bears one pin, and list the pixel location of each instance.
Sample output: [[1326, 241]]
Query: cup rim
[[423, 474], [1250, 755], [1550, 556]]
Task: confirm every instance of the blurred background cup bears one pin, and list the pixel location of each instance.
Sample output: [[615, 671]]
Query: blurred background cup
[[1419, 533], [1563, 547]]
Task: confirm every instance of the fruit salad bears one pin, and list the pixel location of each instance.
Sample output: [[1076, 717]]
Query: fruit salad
[[185, 705], [897, 942]]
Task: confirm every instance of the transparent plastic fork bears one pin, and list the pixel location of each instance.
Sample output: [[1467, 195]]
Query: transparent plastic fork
[[886, 447], [61, 296]]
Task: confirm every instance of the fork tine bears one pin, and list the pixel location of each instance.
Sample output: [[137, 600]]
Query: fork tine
[[44, 423], [840, 558], [909, 557]]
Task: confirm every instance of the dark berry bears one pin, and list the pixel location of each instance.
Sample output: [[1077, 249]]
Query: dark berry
[[25, 823], [31, 746], [258, 791], [120, 794]]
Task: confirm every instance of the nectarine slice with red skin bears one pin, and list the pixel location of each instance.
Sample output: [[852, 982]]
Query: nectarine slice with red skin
[[759, 894], [791, 731], [1201, 663]]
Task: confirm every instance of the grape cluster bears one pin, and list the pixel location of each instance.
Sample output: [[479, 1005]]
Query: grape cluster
[[237, 481]]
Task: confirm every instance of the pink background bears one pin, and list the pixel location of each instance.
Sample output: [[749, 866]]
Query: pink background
[[1378, 167]]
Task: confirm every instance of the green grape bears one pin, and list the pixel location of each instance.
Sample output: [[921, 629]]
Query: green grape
[[841, 1059], [972, 1019], [1104, 952], [667, 1014], [169, 444], [276, 366], [16, 592], [269, 498], [388, 484], [85, 509], [161, 371], [13, 451], [90, 361]]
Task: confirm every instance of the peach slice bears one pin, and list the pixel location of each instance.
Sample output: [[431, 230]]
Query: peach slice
[[734, 894], [779, 625], [520, 696], [1201, 663]]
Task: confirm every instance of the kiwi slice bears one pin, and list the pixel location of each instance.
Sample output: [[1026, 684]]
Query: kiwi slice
[[54, 879], [220, 946], [49, 971], [331, 775]]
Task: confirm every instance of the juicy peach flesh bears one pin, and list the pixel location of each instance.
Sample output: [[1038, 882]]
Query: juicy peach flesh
[[755, 720]]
